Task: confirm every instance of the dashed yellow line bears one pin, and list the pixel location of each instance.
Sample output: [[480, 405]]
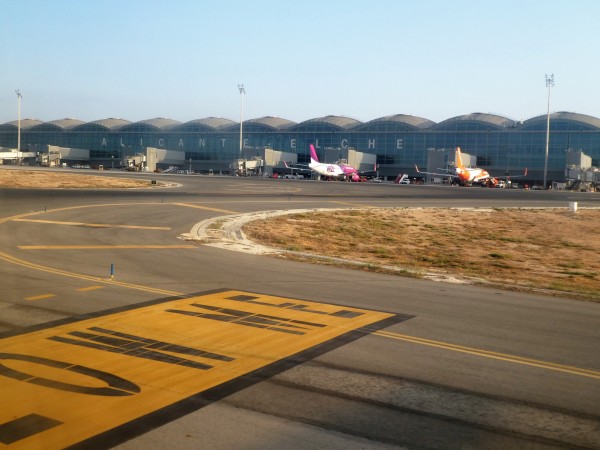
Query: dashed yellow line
[[92, 225], [494, 355], [104, 247], [189, 205], [90, 288], [40, 297]]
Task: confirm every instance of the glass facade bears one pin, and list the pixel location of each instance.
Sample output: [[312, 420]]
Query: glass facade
[[400, 141]]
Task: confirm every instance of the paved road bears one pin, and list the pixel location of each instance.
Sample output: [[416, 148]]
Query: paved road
[[432, 365]]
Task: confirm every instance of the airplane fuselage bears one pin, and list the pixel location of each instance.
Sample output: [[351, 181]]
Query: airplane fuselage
[[327, 170], [472, 175]]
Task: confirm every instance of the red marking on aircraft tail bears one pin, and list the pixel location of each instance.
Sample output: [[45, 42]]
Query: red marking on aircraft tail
[[458, 159], [313, 153]]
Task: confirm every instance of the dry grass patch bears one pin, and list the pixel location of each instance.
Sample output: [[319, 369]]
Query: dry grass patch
[[547, 249], [25, 179]]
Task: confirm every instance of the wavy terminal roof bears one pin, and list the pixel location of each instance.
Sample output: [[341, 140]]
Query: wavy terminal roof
[[331, 121]]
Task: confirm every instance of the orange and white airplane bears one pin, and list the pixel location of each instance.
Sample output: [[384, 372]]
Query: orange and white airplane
[[467, 175]]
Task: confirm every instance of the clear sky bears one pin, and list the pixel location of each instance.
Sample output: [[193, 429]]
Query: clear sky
[[183, 59]]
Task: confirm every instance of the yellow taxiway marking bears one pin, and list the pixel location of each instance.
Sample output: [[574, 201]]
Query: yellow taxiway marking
[[21, 262], [356, 205], [40, 297], [104, 247], [93, 225], [260, 188], [90, 288], [7, 219], [65, 384], [207, 208], [70, 208], [494, 355]]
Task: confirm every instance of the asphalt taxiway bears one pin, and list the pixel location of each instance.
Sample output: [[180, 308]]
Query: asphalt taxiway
[[291, 354]]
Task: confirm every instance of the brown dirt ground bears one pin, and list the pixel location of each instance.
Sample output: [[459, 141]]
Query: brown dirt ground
[[51, 180], [541, 249]]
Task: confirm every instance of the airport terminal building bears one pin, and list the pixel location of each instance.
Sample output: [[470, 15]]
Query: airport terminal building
[[501, 145]]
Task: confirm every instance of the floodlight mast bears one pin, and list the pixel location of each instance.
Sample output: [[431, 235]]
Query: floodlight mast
[[242, 93], [19, 95], [549, 84]]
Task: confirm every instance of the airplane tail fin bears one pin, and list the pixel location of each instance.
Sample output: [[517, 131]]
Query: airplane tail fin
[[286, 164], [313, 154], [458, 159]]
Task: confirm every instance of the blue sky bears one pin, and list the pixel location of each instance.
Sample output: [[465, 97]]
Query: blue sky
[[183, 59]]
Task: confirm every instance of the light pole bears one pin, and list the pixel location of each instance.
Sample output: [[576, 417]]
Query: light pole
[[19, 95], [242, 92], [549, 84]]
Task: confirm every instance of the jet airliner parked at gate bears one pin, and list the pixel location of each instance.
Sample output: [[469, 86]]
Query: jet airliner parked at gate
[[467, 175], [329, 171], [341, 171]]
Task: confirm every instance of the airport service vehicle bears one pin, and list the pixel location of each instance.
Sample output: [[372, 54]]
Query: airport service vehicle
[[402, 178]]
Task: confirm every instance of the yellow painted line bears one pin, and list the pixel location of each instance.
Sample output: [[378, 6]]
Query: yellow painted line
[[33, 266], [259, 188], [96, 225], [90, 288], [105, 247], [40, 297], [207, 208], [21, 262], [494, 355], [356, 205], [63, 385], [285, 200], [68, 208], [7, 219]]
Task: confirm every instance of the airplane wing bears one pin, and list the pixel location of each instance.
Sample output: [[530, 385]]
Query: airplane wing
[[364, 173], [446, 174], [510, 177], [372, 171], [295, 165]]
